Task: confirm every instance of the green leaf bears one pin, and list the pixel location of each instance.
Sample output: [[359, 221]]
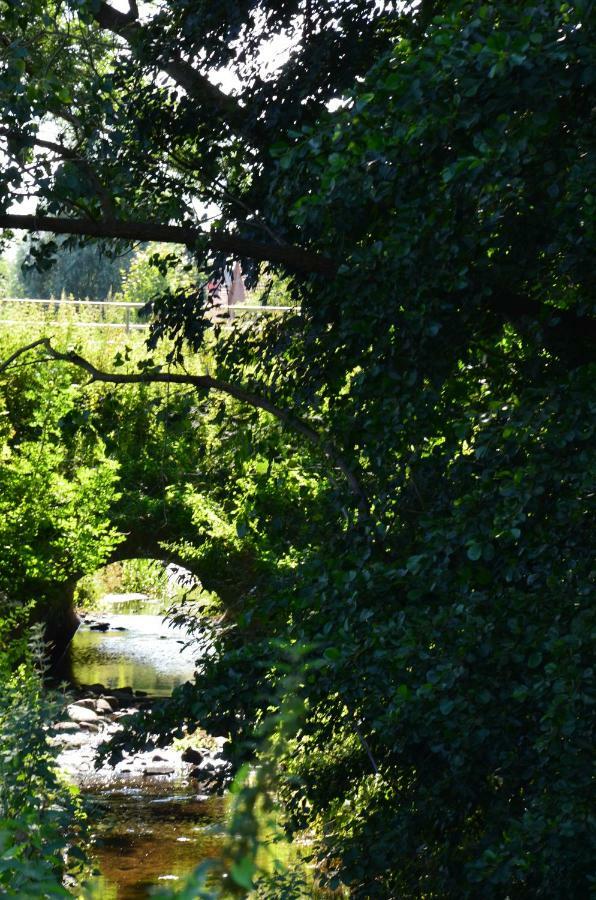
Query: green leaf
[[243, 872], [474, 552]]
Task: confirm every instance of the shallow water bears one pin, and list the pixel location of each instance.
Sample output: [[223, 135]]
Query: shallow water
[[138, 651], [142, 839]]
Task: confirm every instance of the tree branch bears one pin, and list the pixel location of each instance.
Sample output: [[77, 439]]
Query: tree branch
[[565, 324], [72, 156], [206, 382], [294, 257], [182, 72]]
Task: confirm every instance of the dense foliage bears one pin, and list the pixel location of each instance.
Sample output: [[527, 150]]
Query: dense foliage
[[57, 486], [39, 814], [429, 550]]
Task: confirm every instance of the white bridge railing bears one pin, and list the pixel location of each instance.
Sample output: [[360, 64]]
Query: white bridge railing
[[222, 310]]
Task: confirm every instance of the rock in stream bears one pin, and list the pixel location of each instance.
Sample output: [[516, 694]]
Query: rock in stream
[[94, 718]]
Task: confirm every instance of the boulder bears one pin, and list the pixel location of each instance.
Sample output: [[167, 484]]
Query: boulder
[[159, 768], [102, 706], [78, 713], [66, 726], [86, 702], [190, 755], [100, 626]]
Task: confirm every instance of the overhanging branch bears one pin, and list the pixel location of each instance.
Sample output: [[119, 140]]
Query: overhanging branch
[[206, 382], [294, 257], [566, 324]]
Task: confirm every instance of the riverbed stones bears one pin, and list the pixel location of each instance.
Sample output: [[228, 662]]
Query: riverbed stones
[[96, 715], [214, 764]]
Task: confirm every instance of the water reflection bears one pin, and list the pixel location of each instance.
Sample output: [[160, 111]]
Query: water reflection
[[137, 651]]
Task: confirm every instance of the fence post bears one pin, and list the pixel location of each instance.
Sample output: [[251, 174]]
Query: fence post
[[127, 319]]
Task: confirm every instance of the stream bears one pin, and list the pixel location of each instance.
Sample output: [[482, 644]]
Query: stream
[[152, 823]]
